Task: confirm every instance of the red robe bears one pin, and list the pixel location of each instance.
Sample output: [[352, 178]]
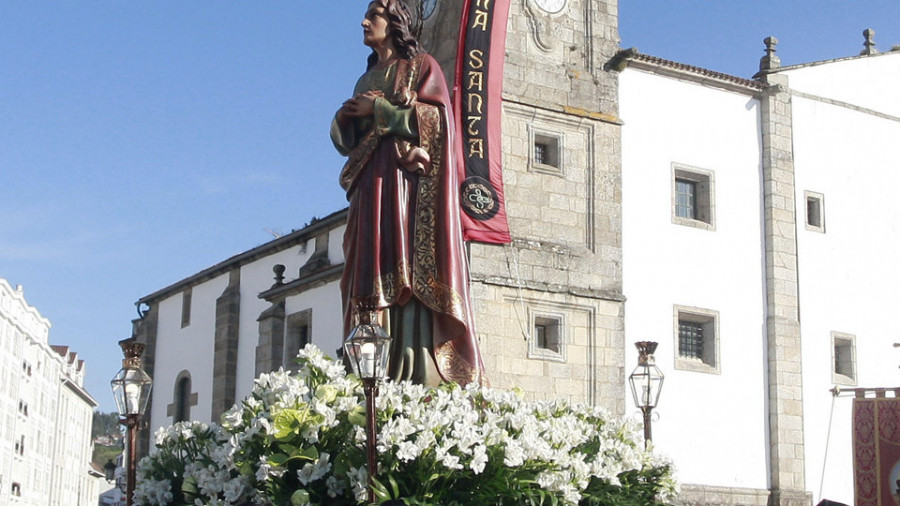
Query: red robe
[[403, 241]]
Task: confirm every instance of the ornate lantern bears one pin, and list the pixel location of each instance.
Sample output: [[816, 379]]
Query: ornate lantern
[[131, 385], [131, 388], [646, 383], [367, 346]]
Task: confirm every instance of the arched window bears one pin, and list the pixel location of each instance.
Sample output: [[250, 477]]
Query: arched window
[[182, 398]]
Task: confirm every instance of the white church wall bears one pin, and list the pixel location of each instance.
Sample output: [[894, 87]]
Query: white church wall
[[256, 277], [848, 272], [869, 82], [327, 315], [189, 348], [336, 245], [667, 264]]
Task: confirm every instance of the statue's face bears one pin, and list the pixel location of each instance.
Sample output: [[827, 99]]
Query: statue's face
[[375, 26]]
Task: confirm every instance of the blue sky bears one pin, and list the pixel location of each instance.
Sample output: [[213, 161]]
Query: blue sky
[[141, 142]]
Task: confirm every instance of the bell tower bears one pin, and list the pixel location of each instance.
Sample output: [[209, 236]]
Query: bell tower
[[549, 308]]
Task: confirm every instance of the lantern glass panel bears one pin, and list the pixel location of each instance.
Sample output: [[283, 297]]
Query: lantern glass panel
[[131, 389], [646, 385], [367, 349]]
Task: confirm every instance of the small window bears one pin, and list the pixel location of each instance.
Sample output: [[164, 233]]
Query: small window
[[697, 339], [183, 399], [815, 211], [186, 307], [547, 338], [547, 153], [16, 489], [546, 150], [297, 334], [546, 334], [693, 197], [843, 358]]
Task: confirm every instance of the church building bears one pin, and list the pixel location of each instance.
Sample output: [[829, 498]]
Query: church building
[[746, 225]]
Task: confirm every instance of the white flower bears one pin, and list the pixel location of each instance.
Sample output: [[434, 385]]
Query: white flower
[[479, 459], [336, 487], [407, 451], [312, 471], [359, 481]]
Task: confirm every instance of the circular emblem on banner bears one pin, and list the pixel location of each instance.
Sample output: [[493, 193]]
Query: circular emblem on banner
[[479, 199]]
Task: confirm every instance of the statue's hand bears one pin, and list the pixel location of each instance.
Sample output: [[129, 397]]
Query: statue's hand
[[360, 106]]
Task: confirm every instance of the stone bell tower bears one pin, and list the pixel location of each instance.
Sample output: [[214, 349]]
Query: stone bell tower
[[549, 306]]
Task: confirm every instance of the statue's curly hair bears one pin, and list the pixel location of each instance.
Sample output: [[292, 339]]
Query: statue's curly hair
[[400, 24]]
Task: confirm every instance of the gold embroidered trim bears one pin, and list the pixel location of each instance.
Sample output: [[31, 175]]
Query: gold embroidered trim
[[434, 294], [454, 368]]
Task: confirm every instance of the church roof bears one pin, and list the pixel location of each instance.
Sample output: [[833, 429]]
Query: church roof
[[632, 57], [286, 241]]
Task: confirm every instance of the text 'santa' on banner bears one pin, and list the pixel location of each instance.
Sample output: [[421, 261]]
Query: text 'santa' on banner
[[477, 98]]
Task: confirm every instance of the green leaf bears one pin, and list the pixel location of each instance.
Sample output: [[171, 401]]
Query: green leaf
[[357, 416], [189, 487], [277, 459], [287, 423], [309, 453], [395, 488], [381, 492], [300, 498], [327, 393]]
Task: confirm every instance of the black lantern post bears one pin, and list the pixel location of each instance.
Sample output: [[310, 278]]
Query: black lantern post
[[646, 384], [131, 388], [109, 470], [367, 348]]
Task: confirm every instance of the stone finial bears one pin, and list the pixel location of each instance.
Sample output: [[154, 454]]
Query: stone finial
[[279, 274], [770, 61], [869, 34]]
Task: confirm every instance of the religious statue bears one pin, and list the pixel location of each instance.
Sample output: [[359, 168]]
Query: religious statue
[[403, 246]]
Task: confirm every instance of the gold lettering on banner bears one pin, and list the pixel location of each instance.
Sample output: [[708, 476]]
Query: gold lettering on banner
[[473, 127], [484, 4], [475, 102], [476, 80], [476, 59], [481, 20], [476, 148]]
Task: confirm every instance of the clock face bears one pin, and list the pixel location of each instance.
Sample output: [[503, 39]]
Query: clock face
[[551, 6], [428, 8]]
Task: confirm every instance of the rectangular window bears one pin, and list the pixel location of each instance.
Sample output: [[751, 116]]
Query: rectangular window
[[843, 358], [547, 340], [697, 339], [693, 197], [546, 153], [186, 296], [297, 334], [546, 334], [690, 339], [685, 202], [546, 150], [815, 211], [540, 152]]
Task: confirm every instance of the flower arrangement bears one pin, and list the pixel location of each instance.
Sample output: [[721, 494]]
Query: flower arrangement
[[299, 439]]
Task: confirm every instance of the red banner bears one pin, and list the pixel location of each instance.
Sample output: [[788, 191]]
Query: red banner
[[477, 97], [876, 451]]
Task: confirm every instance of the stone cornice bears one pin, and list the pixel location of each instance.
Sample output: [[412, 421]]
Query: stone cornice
[[706, 77], [301, 284], [548, 287]]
